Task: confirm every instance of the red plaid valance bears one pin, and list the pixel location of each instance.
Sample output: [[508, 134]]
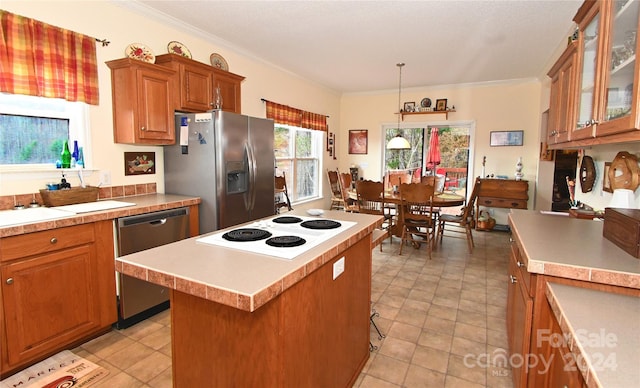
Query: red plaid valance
[[283, 114], [39, 59]]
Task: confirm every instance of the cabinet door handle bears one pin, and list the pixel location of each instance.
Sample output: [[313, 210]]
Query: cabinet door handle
[[519, 264], [143, 129], [10, 281], [513, 279], [53, 240]]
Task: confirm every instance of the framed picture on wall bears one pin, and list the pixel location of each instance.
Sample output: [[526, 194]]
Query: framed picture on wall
[[506, 138], [441, 104], [358, 139], [139, 163]]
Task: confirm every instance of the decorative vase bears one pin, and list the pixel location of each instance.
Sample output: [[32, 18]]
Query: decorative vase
[[519, 173]]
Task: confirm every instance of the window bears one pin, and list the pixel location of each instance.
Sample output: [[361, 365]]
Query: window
[[299, 155], [33, 130]]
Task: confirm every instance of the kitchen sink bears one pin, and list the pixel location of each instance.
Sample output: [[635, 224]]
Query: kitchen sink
[[94, 206], [29, 215]]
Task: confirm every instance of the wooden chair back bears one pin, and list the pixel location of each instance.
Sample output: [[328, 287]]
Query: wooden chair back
[[428, 180], [334, 184], [468, 209], [396, 178], [417, 204], [280, 183], [370, 197]]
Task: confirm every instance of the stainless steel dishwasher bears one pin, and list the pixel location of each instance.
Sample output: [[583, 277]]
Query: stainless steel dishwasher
[[138, 299]]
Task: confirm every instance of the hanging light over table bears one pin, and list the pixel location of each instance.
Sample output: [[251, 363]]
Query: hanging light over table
[[399, 142]]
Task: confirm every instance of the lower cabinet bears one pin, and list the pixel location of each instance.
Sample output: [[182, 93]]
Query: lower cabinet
[[315, 334], [560, 364], [57, 288], [519, 317]]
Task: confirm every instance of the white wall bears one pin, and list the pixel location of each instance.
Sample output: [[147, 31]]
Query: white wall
[[123, 26], [492, 107]]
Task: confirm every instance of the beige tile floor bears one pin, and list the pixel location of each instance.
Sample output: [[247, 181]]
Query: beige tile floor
[[444, 321]]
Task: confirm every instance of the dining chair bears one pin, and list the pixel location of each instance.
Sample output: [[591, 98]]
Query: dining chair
[[417, 216], [460, 223], [337, 200], [371, 201], [281, 193], [350, 205], [428, 180]]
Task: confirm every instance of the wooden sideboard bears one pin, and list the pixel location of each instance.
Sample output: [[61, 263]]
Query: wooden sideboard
[[502, 193]]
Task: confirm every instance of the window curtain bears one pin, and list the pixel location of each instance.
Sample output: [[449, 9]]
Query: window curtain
[[39, 59], [283, 114]]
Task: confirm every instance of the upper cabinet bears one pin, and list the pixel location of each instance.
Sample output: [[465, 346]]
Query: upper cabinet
[[562, 75], [602, 104], [142, 102], [199, 87]]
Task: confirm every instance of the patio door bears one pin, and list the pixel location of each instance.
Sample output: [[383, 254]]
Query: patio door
[[455, 140]]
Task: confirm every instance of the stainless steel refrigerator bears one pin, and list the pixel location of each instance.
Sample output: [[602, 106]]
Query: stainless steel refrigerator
[[226, 159]]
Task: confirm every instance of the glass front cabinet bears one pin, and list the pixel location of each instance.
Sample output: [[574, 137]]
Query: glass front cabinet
[[607, 95]]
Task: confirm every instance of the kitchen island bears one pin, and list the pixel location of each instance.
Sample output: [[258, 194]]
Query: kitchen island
[[248, 319], [573, 304]]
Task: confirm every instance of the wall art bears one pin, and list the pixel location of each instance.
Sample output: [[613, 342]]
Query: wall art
[[139, 163]]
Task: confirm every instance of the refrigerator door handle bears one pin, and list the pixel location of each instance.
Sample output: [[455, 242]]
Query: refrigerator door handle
[[252, 175]]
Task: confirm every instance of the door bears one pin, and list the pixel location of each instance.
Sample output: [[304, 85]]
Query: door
[[519, 316], [232, 174], [191, 169], [261, 137], [49, 301], [155, 106]]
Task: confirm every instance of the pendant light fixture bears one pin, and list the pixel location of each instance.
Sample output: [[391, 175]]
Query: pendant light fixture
[[399, 142]]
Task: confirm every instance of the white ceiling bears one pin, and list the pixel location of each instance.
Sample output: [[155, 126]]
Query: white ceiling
[[353, 46]]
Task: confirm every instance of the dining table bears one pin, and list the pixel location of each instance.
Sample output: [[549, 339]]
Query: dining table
[[440, 200]]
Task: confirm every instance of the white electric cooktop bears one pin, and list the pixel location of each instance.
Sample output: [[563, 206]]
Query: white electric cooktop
[[312, 237]]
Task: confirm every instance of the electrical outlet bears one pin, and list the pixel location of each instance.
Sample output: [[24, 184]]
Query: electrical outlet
[[338, 268], [105, 177]]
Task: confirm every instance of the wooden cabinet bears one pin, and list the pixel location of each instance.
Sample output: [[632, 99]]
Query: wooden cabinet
[[562, 99], [502, 193], [519, 315], [314, 334], [197, 85], [57, 287], [561, 362], [142, 102], [606, 90]]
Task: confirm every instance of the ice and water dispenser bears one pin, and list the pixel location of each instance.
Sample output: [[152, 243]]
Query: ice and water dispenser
[[237, 177]]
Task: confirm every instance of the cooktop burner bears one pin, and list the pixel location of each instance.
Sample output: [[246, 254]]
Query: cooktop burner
[[246, 234], [287, 220], [272, 233], [321, 224], [286, 241]]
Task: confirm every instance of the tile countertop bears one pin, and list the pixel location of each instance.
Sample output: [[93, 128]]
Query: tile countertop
[[242, 280], [604, 345], [572, 248], [144, 204]]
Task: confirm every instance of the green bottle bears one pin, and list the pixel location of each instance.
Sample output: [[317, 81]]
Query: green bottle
[[66, 155]]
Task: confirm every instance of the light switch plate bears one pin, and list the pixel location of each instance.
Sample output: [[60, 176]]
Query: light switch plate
[[338, 268]]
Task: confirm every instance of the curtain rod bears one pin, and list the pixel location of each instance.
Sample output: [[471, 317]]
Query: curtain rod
[[103, 41], [265, 100]]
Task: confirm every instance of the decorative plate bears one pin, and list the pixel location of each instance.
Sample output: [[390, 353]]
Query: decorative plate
[[140, 52], [179, 49], [219, 62], [425, 103]]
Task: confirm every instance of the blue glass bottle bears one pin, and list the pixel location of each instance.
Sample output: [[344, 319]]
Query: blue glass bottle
[[74, 154]]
